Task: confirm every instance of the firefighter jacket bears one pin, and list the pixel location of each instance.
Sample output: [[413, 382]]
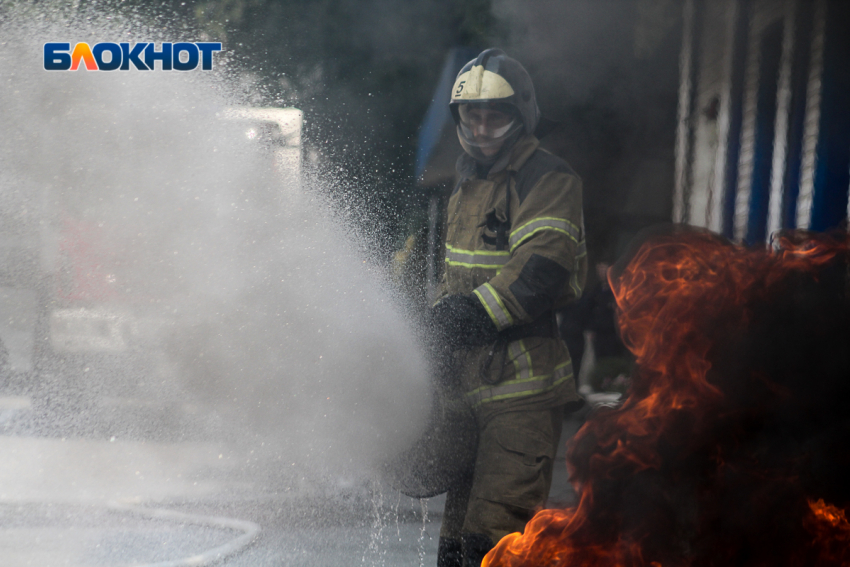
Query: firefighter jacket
[[516, 241]]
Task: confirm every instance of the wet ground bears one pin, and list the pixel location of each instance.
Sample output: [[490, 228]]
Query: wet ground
[[95, 480]]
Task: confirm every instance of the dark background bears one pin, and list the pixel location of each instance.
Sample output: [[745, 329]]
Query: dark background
[[364, 73]]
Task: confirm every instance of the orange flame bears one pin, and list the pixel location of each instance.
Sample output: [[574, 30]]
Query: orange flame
[[680, 296], [831, 533]]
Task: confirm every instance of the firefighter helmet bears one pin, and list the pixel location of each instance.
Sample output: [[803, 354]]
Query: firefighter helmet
[[493, 103]]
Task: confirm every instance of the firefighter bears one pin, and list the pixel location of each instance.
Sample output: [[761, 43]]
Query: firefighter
[[514, 253]]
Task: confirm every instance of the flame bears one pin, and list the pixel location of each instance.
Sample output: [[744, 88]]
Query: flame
[[828, 513], [677, 476], [831, 532]]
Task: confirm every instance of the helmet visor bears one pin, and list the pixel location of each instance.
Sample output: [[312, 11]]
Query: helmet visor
[[484, 130], [485, 123]]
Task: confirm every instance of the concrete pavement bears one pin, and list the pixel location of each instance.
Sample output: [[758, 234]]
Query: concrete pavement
[[94, 502]]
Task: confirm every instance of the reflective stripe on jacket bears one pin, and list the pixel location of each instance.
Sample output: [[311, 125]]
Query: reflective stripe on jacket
[[522, 261]]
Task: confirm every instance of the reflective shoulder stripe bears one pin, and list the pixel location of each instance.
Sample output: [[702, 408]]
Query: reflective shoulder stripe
[[544, 223], [494, 306], [477, 258], [521, 388]]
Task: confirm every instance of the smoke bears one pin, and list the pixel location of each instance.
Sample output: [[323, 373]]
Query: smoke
[[250, 294]]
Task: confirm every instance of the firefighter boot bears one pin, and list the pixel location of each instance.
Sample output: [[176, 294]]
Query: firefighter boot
[[475, 547], [449, 553]]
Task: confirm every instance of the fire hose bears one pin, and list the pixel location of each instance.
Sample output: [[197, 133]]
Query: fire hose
[[249, 530]]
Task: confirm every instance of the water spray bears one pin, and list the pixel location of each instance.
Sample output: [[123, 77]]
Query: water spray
[[185, 266]]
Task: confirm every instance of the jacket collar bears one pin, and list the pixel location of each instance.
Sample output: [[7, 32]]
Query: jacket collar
[[512, 161]]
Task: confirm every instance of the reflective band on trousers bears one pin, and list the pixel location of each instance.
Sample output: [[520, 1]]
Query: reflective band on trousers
[[477, 258], [521, 358], [493, 304], [581, 251], [545, 223], [521, 388]]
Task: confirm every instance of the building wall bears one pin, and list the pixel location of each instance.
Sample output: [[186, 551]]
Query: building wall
[[713, 79], [812, 120], [752, 153], [760, 113]]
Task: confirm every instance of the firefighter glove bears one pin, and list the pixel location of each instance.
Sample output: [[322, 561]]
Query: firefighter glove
[[460, 321]]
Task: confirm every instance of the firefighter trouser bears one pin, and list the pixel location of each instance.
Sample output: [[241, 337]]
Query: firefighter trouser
[[512, 476]]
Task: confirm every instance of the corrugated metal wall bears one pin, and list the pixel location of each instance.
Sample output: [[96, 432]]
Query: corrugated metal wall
[[755, 151]]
